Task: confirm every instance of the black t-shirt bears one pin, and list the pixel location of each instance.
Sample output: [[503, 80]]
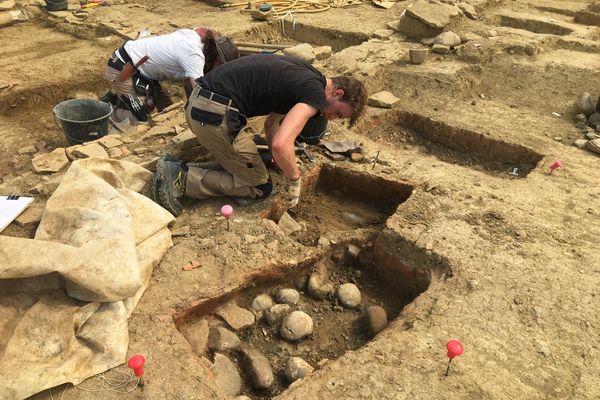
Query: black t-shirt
[[265, 83]]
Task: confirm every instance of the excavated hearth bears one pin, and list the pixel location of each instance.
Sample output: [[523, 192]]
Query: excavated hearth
[[452, 144], [284, 324], [336, 199]]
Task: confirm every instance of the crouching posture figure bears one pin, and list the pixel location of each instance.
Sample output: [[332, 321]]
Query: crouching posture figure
[[137, 67], [288, 91]]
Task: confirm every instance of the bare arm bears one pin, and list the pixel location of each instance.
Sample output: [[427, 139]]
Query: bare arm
[[271, 125], [283, 146]]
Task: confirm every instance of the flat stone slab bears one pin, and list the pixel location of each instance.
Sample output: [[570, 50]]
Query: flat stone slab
[[322, 52], [303, 51], [110, 141], [237, 317], [414, 27], [288, 225], [436, 15], [7, 5], [184, 138], [196, 334], [257, 368], [383, 99], [51, 162], [31, 215], [227, 377], [91, 150]]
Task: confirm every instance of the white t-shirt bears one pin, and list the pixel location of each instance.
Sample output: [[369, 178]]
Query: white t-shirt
[[174, 56]]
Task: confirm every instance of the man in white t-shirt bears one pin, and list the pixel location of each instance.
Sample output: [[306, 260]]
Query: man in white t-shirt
[[136, 67]]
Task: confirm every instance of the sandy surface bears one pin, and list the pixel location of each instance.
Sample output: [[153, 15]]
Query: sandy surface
[[509, 266]]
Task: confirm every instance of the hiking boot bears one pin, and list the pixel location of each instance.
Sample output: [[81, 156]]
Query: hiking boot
[[247, 201], [267, 189], [168, 183]]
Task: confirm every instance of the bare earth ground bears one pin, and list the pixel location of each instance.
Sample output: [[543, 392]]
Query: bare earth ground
[[513, 263]]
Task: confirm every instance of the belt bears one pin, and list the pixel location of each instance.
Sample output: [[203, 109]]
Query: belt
[[226, 101], [115, 62]]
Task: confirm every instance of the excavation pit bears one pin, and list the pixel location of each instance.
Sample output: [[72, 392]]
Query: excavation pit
[[534, 25], [452, 144], [336, 199], [294, 33], [336, 328]]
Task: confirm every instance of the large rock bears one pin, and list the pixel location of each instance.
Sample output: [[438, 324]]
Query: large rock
[[185, 138], [580, 143], [585, 105], [31, 215], [196, 333], [349, 295], [227, 377], [468, 10], [376, 320], [296, 326], [288, 225], [257, 368], [277, 313], [449, 39], [91, 150], [383, 99], [51, 162], [237, 317], [414, 27], [110, 141], [436, 15], [593, 146], [262, 303], [303, 51], [322, 52], [296, 368], [7, 5], [221, 339], [288, 296], [594, 120]]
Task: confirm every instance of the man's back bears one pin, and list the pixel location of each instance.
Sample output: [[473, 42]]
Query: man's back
[[262, 84]]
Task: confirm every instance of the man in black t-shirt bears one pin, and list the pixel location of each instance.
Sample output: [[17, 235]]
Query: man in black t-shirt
[[288, 91]]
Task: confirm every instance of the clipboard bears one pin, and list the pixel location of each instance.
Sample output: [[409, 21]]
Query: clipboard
[[10, 208]]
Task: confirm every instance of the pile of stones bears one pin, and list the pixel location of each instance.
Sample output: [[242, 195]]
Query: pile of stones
[[587, 121], [287, 313]]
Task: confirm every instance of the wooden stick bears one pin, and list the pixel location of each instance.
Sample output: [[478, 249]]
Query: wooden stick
[[264, 46], [172, 107]]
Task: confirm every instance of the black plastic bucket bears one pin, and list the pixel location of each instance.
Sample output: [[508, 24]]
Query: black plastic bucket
[[82, 120], [56, 5]]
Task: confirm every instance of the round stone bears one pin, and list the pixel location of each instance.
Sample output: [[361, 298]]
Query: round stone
[[317, 288], [296, 325], [262, 302], [288, 296], [349, 295], [277, 312], [296, 368], [376, 319]]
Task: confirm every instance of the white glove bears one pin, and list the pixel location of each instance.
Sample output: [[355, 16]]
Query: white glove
[[293, 193]]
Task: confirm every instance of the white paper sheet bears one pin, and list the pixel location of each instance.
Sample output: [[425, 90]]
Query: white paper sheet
[[11, 207]]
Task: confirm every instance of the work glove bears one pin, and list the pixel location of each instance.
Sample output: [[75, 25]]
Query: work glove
[[293, 193]]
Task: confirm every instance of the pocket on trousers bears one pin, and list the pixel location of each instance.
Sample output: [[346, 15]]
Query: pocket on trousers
[[206, 117]]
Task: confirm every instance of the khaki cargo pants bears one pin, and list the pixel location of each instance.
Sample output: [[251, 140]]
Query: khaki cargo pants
[[243, 167]]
